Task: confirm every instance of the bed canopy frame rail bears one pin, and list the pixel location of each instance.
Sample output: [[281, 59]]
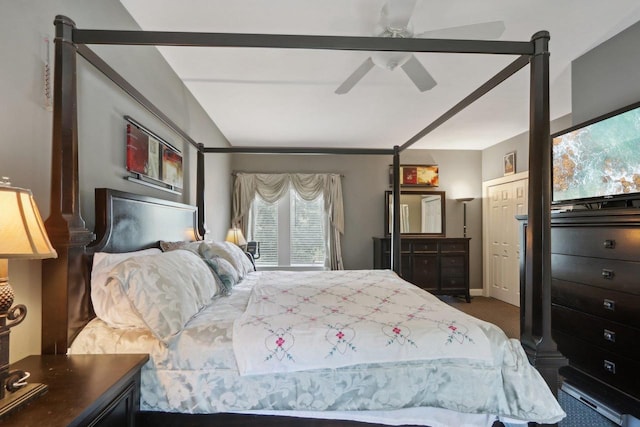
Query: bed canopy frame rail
[[64, 285]]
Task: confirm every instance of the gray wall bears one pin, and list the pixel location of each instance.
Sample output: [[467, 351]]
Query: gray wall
[[493, 156], [602, 80], [366, 178], [25, 140], [606, 78]]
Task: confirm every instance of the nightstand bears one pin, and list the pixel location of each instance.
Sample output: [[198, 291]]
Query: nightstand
[[98, 390]]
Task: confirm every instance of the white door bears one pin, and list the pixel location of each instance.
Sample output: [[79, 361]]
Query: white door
[[502, 248]]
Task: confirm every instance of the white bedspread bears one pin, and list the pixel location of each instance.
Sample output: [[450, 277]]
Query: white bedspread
[[198, 373], [311, 320]]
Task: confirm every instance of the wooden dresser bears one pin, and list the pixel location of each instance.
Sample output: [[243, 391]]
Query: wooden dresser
[[595, 293], [438, 265]]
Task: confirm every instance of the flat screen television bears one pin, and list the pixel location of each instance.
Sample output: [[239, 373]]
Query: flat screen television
[[598, 162]]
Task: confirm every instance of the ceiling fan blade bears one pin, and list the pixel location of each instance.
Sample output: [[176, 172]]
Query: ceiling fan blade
[[482, 31], [397, 13], [418, 74], [355, 77]]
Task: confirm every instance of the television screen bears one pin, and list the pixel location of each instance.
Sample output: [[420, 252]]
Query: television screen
[[598, 160]]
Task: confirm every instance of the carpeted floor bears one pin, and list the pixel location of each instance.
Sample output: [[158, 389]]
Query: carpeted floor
[[505, 315]]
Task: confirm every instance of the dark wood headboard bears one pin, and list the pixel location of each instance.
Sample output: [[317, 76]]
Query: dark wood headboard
[[125, 222], [128, 222]]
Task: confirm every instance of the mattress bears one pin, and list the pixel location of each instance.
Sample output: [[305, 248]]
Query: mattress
[[198, 373]]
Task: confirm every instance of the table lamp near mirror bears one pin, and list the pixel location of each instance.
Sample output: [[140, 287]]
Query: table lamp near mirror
[[22, 236]]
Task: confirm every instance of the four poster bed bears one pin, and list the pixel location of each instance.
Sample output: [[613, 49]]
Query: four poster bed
[[487, 376]]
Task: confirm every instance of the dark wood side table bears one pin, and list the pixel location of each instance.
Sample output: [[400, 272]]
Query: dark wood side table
[[97, 390]]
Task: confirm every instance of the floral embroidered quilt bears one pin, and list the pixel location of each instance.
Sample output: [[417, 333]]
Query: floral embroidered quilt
[[299, 321], [202, 358]]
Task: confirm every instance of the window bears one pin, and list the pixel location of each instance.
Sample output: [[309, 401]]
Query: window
[[290, 231]]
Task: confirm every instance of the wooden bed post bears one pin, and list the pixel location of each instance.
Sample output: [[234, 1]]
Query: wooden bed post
[[396, 262], [200, 184], [65, 225], [536, 310]]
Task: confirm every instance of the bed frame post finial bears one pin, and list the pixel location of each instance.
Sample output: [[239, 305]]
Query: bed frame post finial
[[536, 307], [396, 264]]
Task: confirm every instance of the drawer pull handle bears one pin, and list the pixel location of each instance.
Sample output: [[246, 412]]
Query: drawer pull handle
[[607, 274], [609, 304], [609, 244], [609, 335], [609, 366]]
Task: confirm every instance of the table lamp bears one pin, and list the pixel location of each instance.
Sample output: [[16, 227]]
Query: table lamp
[[22, 235], [235, 236]]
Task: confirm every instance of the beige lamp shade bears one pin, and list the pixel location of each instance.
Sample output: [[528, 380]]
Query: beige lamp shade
[[22, 232], [234, 235]]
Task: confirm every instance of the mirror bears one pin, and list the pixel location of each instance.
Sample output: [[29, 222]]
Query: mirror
[[421, 212]]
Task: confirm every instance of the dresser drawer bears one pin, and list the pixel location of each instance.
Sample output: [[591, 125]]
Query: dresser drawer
[[425, 246], [615, 306], [599, 242], [453, 282], [385, 246], [606, 273], [453, 246], [616, 370], [456, 262], [611, 336], [424, 271]]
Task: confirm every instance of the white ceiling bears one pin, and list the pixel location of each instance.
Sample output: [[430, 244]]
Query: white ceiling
[[278, 97]]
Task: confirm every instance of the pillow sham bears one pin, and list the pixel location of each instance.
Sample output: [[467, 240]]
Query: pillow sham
[[165, 290], [172, 246], [224, 271], [233, 254], [110, 306], [241, 257]]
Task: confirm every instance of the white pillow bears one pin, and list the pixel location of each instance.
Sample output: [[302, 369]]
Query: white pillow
[[234, 255], [110, 306], [165, 290], [243, 260], [245, 266], [222, 269]]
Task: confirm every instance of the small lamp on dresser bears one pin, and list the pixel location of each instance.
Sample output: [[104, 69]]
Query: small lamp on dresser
[[22, 236]]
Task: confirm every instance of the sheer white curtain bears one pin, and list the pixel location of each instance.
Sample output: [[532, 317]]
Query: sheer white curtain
[[272, 187]]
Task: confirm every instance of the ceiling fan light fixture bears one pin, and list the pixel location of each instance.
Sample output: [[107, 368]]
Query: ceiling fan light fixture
[[394, 23], [390, 60]]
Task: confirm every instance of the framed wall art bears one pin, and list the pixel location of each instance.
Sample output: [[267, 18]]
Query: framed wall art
[[417, 175], [510, 163], [171, 167], [151, 160]]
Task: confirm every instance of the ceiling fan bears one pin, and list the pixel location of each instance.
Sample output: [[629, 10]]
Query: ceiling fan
[[394, 22]]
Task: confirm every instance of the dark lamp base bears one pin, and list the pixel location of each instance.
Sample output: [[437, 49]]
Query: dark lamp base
[[26, 394]]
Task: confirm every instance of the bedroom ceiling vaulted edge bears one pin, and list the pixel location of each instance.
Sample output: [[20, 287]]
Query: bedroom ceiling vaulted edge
[[286, 97]]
